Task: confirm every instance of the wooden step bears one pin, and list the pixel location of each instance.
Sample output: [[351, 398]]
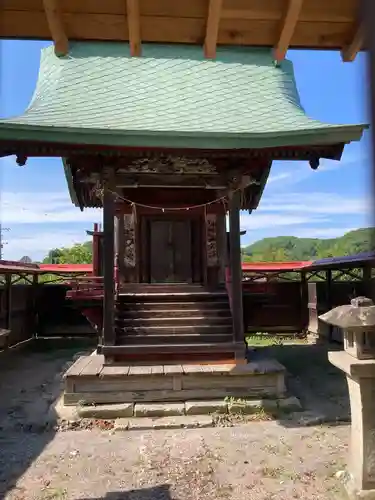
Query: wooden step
[[179, 349], [172, 297], [173, 330], [168, 288], [174, 321], [172, 305], [206, 313], [192, 338]]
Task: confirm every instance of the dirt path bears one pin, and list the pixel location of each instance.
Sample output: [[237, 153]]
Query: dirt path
[[259, 461]]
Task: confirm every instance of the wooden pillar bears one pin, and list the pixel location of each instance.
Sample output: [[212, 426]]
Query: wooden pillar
[[35, 302], [95, 251], [222, 247], [235, 266], [108, 333], [367, 282], [304, 302], [329, 300], [8, 301]]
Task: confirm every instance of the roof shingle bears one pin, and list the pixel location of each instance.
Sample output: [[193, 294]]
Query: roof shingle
[[169, 97]]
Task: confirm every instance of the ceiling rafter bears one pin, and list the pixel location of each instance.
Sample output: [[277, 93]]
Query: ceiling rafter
[[52, 9], [212, 29], [350, 51], [287, 30], [134, 26]]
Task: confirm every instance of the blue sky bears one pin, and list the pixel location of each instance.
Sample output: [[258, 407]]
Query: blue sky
[[298, 201]]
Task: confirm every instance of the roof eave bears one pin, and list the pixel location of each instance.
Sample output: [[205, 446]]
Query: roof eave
[[199, 140]]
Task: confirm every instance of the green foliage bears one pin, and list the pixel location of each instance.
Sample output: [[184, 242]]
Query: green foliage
[[283, 248], [77, 254]]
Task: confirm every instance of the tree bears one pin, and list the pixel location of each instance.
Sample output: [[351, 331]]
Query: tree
[[77, 254], [284, 248]]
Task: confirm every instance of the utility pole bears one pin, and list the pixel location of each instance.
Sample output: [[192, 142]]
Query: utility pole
[[2, 242]]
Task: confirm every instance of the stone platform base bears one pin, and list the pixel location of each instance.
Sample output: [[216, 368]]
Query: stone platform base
[[192, 414], [90, 382]]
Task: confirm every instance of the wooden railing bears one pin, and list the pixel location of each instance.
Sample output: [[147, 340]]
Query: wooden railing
[[85, 286]]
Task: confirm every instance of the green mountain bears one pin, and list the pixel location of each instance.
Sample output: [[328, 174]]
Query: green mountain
[[284, 248]]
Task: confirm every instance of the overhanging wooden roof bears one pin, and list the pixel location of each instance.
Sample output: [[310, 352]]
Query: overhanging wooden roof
[[281, 24]]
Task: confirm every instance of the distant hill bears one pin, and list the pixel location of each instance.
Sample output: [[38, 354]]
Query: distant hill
[[283, 248]]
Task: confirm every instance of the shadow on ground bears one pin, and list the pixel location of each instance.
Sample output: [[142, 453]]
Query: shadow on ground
[[30, 381], [320, 386], [161, 492]]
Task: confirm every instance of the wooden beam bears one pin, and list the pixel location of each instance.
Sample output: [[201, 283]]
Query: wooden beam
[[56, 26], [288, 27], [350, 51], [134, 26], [108, 335], [235, 266], [212, 29]]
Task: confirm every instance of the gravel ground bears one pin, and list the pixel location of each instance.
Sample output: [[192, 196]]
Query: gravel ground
[[260, 461]]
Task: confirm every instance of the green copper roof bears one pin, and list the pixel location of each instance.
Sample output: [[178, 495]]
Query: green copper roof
[[169, 97]]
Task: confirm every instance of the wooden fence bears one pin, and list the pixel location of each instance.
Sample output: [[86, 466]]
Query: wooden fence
[[321, 299], [43, 312], [274, 307], [277, 307]]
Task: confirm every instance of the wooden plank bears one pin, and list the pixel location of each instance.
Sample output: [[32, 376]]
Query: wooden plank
[[222, 369], [157, 370], [182, 349], [114, 371], [77, 367], [334, 11], [134, 27], [313, 10], [189, 369], [350, 51], [173, 369], [165, 395], [313, 35], [288, 28], [134, 383], [140, 370], [196, 381], [212, 29], [53, 13], [94, 367], [206, 369]]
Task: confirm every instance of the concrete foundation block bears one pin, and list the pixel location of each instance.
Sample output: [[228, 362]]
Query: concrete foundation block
[[106, 411], [159, 410], [184, 422], [205, 407], [252, 406], [290, 404]]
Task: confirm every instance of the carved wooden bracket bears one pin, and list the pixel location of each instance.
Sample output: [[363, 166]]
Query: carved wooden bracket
[[211, 243], [130, 249]]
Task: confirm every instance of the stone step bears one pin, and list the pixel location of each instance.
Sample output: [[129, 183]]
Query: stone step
[[184, 414], [193, 338], [174, 313], [174, 329], [173, 322]]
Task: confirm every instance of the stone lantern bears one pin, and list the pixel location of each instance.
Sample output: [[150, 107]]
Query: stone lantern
[[358, 362]]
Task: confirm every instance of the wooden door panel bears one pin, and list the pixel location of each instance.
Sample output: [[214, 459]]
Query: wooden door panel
[[161, 257], [182, 251]]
